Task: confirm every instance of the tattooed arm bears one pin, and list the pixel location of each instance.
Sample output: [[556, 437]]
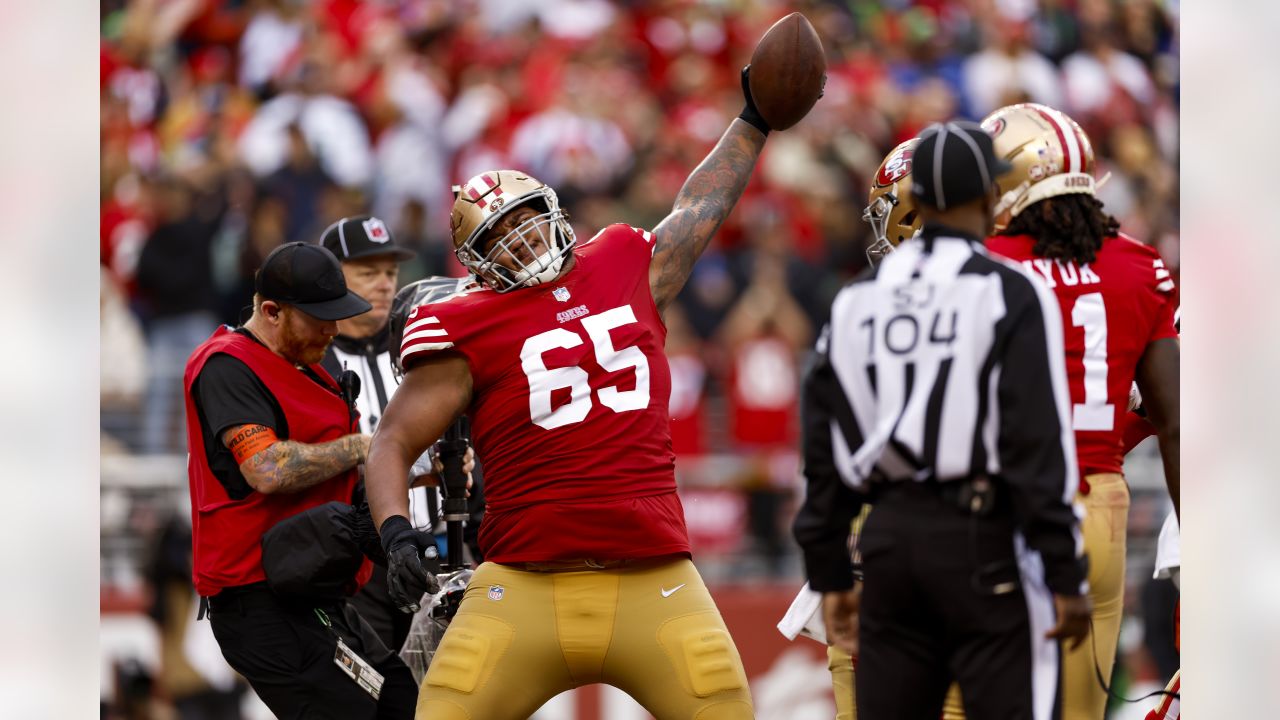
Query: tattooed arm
[[701, 205], [285, 466]]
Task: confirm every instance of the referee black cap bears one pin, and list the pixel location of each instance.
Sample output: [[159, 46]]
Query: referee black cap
[[954, 163], [360, 237], [309, 278]]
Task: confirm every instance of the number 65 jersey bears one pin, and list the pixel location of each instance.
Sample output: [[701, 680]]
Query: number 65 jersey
[[569, 409], [1112, 309]]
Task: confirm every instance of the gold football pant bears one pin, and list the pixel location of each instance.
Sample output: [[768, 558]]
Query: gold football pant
[[1105, 529], [841, 666], [522, 637]]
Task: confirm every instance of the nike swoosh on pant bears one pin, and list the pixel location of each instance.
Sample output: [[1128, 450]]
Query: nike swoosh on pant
[[669, 593]]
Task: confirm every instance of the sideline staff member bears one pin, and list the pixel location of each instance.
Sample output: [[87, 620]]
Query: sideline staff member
[[269, 437], [939, 393]]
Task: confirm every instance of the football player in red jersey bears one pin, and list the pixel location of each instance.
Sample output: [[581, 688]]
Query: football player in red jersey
[[1118, 303], [559, 363], [1056, 227]]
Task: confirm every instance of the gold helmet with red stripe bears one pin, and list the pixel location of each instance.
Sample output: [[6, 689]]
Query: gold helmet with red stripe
[[1049, 152], [890, 209], [478, 206]]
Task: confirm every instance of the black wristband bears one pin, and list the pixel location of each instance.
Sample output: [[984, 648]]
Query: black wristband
[[750, 114], [393, 529]]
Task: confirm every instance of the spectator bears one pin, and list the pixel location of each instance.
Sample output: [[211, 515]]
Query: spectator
[[175, 283], [1009, 71]]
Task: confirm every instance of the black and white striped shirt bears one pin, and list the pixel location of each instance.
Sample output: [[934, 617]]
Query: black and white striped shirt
[[943, 363]]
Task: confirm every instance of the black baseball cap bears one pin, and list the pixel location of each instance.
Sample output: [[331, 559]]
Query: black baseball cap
[[309, 278], [360, 237], [954, 163]]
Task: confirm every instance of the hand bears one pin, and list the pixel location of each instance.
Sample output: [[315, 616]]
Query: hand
[[421, 477], [412, 563], [749, 113], [840, 615], [1073, 613]]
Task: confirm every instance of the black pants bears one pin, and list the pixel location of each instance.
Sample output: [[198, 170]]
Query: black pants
[[286, 654], [378, 609], [930, 614]]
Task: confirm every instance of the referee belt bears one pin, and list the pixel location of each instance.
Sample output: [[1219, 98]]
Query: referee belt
[[978, 495]]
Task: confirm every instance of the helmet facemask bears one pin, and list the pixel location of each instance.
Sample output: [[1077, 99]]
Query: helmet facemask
[[551, 225], [877, 214], [890, 210]]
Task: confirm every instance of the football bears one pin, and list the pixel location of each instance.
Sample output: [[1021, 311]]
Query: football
[[788, 70]]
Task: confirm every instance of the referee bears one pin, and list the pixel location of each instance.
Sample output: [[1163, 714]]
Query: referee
[[938, 393]]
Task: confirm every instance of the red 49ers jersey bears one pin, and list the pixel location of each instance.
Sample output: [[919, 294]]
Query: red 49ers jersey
[[570, 407], [1112, 309]]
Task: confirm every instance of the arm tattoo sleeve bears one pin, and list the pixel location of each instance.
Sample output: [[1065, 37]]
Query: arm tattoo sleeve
[[702, 204], [287, 466]]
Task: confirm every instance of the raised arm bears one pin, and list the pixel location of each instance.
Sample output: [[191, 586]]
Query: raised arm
[[702, 204]]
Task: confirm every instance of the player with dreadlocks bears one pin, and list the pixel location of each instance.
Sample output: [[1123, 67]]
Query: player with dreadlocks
[[1118, 303]]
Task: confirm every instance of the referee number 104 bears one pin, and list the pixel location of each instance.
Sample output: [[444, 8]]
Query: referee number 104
[[903, 332]]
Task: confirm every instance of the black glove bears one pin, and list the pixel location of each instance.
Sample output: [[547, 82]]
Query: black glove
[[412, 562], [749, 113]]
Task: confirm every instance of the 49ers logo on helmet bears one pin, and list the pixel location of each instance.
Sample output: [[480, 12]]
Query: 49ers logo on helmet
[[896, 166]]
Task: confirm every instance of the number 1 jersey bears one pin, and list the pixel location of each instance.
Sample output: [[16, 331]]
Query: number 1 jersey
[[1112, 308], [570, 407]]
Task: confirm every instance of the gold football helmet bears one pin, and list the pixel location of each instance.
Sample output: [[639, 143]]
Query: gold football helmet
[[481, 202], [890, 209], [1049, 152]]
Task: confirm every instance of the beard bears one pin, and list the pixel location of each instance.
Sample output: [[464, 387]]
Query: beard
[[301, 348]]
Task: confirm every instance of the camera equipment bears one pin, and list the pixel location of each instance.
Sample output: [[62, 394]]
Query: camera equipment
[[450, 449]]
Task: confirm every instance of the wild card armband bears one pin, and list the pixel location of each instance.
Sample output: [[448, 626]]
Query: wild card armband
[[248, 440]]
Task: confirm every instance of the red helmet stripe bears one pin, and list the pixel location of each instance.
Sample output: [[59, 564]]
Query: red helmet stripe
[[1086, 149], [1068, 147]]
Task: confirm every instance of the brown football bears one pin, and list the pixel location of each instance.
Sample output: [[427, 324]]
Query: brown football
[[788, 70]]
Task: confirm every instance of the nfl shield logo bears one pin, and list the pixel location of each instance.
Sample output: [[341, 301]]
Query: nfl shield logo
[[495, 592], [376, 231], [561, 294]]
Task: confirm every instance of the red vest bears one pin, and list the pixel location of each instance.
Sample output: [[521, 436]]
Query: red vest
[[227, 533]]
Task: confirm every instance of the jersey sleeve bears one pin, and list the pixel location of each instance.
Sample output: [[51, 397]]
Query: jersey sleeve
[[1167, 294], [632, 244], [230, 395], [1160, 285], [429, 329]]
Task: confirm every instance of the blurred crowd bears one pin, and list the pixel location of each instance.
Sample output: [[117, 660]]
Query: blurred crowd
[[232, 126]]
